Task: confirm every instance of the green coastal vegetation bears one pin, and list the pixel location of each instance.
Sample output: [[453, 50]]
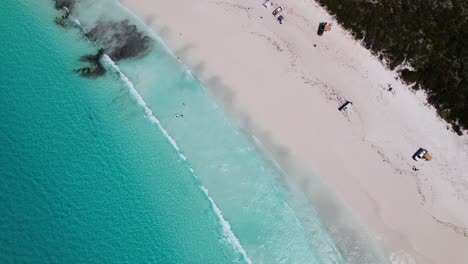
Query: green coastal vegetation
[[425, 40]]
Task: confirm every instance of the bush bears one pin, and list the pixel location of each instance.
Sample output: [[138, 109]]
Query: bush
[[429, 35]]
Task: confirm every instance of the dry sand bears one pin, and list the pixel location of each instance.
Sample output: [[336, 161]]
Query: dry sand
[[286, 83]]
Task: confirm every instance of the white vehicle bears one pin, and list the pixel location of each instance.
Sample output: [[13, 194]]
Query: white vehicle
[[345, 106], [277, 10], [419, 154]]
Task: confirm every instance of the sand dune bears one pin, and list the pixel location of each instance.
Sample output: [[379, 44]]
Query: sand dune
[[286, 83]]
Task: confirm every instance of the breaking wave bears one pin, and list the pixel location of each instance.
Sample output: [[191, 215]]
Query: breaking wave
[[228, 235]]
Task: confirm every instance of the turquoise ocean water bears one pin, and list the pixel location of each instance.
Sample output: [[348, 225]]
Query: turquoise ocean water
[[101, 171]]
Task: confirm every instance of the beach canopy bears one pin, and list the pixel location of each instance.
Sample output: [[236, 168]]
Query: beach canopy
[[427, 156], [267, 4]]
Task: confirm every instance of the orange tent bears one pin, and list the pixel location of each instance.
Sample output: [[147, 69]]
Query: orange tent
[[427, 156]]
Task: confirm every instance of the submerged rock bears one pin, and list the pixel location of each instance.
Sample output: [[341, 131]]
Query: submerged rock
[[96, 68], [121, 40], [63, 20], [66, 6], [61, 4]]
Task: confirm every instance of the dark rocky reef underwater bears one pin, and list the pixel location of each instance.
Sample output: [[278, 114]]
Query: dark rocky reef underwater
[[118, 39], [61, 4], [96, 68], [121, 40], [63, 19]]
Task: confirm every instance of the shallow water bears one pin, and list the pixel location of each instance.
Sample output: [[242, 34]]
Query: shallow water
[[85, 176], [140, 165]]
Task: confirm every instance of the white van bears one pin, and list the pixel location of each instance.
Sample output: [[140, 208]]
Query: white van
[[345, 106]]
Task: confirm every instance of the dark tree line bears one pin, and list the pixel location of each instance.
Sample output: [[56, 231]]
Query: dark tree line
[[430, 37]]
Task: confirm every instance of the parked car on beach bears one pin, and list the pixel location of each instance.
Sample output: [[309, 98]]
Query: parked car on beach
[[277, 10], [345, 106], [421, 153], [321, 28]]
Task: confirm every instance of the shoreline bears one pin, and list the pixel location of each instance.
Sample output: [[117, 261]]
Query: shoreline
[[376, 181]]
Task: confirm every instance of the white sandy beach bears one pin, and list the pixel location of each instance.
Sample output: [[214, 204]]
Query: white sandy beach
[[287, 91]]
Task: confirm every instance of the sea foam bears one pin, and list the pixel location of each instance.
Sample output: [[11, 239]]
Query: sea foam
[[228, 234]]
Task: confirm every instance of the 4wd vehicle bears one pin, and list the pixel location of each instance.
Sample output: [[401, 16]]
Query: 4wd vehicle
[[321, 28], [277, 10], [419, 154], [345, 106]]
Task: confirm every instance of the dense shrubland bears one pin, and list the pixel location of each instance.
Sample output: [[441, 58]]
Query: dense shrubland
[[428, 38]]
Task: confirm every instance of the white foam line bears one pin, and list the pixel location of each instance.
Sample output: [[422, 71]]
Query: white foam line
[[139, 99], [77, 22], [227, 232]]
